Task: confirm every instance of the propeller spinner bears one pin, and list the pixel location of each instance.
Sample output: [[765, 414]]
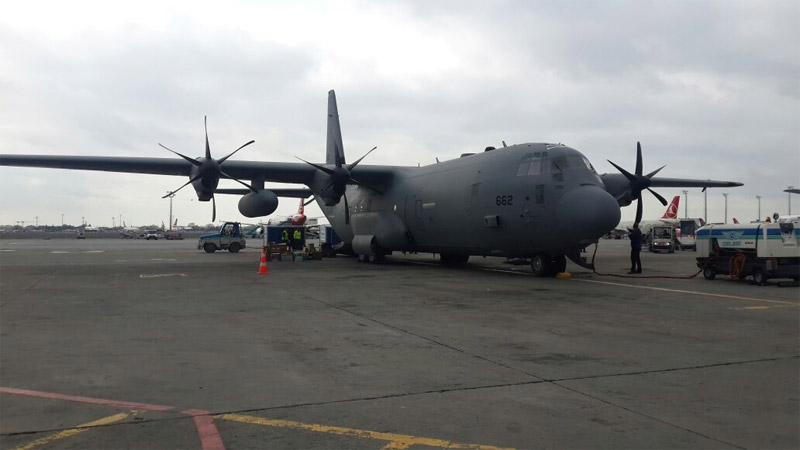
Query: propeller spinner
[[207, 171], [639, 182]]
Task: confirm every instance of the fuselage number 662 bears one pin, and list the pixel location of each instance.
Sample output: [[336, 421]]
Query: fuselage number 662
[[505, 200]]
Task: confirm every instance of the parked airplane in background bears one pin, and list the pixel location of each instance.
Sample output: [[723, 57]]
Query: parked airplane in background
[[540, 201], [670, 217], [297, 219]]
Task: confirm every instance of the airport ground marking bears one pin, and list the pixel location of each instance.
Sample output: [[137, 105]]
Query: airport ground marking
[[395, 441], [683, 291], [79, 399], [77, 430], [206, 429], [162, 275]]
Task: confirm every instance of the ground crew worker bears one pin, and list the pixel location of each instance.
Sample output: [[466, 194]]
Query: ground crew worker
[[298, 238], [636, 247], [285, 237]]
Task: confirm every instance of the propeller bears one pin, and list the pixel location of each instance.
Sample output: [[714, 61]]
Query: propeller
[[639, 182], [340, 176], [208, 171]]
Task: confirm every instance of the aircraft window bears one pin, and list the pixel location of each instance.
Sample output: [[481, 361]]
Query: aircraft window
[[545, 165], [522, 170], [535, 167], [559, 163]]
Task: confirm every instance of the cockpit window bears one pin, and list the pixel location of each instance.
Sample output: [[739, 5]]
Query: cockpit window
[[560, 163]]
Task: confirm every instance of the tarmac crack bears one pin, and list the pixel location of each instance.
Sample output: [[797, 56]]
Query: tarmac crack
[[29, 287]]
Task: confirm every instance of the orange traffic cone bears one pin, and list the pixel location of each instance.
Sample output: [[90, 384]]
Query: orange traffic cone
[[262, 269]]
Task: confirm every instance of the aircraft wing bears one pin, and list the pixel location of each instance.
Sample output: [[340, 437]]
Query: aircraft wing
[[281, 172], [280, 192], [685, 182]]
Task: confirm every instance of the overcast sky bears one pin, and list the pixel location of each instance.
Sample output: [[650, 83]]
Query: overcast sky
[[712, 89]]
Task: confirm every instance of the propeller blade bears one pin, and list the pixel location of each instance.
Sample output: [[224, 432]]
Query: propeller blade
[[213, 209], [638, 211], [351, 166], [638, 158], [623, 171], [308, 202], [653, 173], [346, 210], [354, 181], [660, 198], [221, 172], [322, 168], [231, 154], [208, 148], [186, 184], [193, 161]]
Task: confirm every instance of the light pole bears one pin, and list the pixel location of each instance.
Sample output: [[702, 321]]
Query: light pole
[[705, 205], [62, 220], [170, 194], [759, 207], [685, 204], [113, 223], [37, 221], [726, 206], [790, 200], [83, 220]]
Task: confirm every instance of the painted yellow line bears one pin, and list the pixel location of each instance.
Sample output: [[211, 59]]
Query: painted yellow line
[[73, 431], [396, 441], [681, 291]]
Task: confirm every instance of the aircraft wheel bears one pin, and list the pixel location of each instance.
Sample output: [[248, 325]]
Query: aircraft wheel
[[234, 247], [710, 272], [541, 265], [209, 247], [759, 277]]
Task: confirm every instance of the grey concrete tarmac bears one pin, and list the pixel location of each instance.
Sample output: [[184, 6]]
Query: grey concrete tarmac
[[155, 344]]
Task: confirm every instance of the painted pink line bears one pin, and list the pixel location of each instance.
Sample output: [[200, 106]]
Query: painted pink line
[[75, 398], [206, 429]]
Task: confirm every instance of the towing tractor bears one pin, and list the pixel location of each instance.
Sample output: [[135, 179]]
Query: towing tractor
[[759, 250], [662, 238], [229, 238]]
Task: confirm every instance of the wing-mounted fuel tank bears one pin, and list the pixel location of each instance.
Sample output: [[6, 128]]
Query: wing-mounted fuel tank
[[379, 232], [258, 204]]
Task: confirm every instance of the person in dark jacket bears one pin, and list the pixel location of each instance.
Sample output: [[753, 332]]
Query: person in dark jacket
[[636, 247]]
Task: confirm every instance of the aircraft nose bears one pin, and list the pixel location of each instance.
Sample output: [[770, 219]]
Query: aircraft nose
[[587, 213]]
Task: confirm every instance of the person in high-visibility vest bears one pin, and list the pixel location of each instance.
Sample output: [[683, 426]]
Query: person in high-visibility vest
[[298, 238], [285, 237]]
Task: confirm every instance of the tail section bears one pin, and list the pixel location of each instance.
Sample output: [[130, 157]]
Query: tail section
[[176, 222], [735, 220], [672, 209], [302, 208], [334, 149]]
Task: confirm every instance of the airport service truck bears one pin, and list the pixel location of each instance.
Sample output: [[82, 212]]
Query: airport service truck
[[759, 250], [229, 238]]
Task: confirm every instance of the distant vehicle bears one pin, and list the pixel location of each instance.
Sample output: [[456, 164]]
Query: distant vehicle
[[686, 234], [153, 235], [80, 235], [662, 238], [173, 235], [229, 238]]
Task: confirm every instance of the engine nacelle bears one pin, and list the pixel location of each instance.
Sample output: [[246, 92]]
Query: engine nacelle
[[262, 203]]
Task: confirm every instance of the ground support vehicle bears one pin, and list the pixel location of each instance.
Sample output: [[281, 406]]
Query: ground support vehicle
[[757, 250], [173, 235], [153, 235], [662, 238], [229, 238], [686, 234]]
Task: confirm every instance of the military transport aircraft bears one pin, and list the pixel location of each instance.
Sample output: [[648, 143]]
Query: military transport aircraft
[[535, 200]]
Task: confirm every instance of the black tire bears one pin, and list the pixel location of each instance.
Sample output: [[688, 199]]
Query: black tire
[[710, 272], [541, 265], [759, 277], [209, 247], [234, 247]]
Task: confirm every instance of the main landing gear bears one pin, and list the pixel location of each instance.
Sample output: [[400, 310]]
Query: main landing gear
[[547, 265]]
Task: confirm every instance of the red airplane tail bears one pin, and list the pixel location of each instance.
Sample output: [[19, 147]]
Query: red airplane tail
[[302, 208], [735, 220], [672, 209]]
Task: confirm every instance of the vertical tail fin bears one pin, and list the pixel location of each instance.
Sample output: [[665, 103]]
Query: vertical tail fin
[[176, 222], [735, 220], [334, 149], [302, 208], [672, 209]]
